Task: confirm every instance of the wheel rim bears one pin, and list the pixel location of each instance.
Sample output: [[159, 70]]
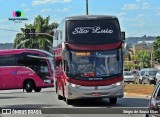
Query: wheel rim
[[28, 86]]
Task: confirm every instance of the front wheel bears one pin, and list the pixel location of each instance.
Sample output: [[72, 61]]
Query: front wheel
[[113, 100], [69, 101], [37, 89], [29, 86]]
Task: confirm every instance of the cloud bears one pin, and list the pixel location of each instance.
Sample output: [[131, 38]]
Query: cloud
[[63, 10], [45, 10], [122, 14], [3, 20], [145, 5], [66, 0], [158, 14], [140, 15], [27, 9], [42, 2], [140, 0], [130, 7], [23, 5]]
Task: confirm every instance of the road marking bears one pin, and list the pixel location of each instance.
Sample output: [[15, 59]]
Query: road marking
[[65, 115]]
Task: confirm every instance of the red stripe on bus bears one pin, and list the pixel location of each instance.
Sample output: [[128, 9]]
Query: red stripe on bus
[[94, 47], [96, 82]]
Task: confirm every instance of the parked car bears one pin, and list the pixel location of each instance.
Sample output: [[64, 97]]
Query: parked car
[[128, 77], [138, 77], [149, 76], [158, 76], [154, 103], [134, 72]]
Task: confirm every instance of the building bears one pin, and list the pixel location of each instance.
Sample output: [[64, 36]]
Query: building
[[6, 46], [142, 45]]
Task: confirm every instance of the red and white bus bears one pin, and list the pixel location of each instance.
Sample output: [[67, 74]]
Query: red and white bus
[[88, 58], [28, 69]]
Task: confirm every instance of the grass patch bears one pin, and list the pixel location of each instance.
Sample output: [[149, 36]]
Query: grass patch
[[139, 88]]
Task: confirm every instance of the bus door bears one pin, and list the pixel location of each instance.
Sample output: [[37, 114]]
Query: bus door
[[7, 72], [59, 75]]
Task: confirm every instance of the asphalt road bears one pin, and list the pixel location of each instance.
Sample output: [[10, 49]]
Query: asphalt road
[[47, 99]]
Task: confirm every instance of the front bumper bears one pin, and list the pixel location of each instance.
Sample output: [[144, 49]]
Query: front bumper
[[79, 92]]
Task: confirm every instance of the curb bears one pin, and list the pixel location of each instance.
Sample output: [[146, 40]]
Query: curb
[[137, 95]]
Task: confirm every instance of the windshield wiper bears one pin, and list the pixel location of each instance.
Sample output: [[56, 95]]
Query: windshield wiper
[[75, 74]]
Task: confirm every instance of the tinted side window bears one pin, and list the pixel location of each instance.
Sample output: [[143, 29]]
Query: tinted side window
[[38, 65], [24, 59], [7, 60]]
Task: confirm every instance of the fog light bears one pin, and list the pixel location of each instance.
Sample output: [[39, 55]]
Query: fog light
[[47, 81]]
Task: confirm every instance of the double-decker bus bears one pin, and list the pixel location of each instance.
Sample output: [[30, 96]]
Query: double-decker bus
[[88, 58], [29, 69]]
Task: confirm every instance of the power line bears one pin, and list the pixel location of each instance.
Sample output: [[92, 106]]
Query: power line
[[9, 30]]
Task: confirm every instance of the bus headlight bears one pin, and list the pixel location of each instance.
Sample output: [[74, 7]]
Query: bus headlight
[[73, 85], [117, 84], [47, 81]]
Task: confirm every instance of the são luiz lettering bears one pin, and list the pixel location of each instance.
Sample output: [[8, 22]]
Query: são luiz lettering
[[95, 29]]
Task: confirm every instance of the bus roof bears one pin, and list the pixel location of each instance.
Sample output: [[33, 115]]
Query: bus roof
[[90, 17], [16, 51]]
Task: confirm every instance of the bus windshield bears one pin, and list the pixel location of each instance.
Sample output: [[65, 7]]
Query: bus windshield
[[99, 64], [102, 31]]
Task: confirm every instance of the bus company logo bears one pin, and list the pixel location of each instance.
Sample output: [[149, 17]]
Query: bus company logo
[[18, 14], [18, 17]]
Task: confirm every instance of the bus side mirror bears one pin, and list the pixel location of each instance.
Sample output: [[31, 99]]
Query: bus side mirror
[[123, 36], [56, 35]]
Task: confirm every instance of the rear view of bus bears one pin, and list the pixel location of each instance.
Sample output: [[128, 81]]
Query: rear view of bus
[[88, 58]]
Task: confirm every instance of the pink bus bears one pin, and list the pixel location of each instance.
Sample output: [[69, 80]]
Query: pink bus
[[29, 69]]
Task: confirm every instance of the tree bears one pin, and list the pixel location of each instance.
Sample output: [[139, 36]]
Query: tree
[[41, 41], [144, 58], [129, 65], [135, 60], [156, 51]]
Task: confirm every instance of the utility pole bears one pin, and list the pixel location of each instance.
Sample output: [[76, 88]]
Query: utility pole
[[151, 57], [86, 7]]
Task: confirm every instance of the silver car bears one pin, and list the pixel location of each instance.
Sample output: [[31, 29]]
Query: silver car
[[154, 103], [138, 77], [128, 77], [149, 76], [158, 77]]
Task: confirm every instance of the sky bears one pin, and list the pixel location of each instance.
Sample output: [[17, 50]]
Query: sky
[[136, 17]]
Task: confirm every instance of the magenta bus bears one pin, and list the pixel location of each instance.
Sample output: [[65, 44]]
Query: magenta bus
[[88, 58], [29, 69]]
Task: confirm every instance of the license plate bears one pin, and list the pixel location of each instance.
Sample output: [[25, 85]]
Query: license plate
[[96, 94]]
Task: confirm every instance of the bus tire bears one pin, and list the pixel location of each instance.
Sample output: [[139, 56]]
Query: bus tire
[[113, 100], [69, 101], [37, 89], [29, 86], [60, 97]]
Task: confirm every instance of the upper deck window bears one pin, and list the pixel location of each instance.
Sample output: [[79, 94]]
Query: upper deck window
[[101, 31]]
